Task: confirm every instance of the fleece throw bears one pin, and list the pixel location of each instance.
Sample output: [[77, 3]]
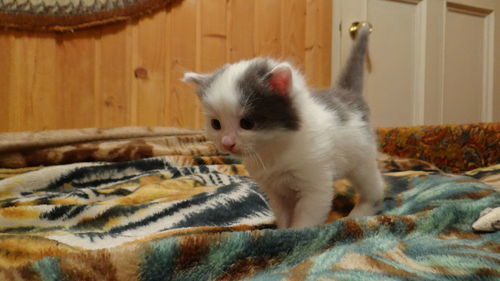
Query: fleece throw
[[196, 215]]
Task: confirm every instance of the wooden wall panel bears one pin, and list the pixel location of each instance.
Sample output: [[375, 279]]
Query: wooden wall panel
[[213, 42], [33, 94], [241, 29], [212, 46], [5, 68], [76, 66], [318, 42], [293, 23], [183, 107], [129, 74], [268, 38], [149, 79], [44, 90], [114, 76]]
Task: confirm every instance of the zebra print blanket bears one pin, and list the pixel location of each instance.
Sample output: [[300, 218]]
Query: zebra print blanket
[[183, 217]]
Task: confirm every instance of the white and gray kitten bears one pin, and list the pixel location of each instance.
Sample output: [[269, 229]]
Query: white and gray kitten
[[295, 142]]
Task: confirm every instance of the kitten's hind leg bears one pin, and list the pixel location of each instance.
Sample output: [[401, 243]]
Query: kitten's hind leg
[[368, 182]]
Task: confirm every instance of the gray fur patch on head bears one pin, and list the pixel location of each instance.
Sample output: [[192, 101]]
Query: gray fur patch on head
[[266, 108]]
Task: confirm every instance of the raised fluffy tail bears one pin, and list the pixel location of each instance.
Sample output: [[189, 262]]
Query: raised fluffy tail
[[351, 78]]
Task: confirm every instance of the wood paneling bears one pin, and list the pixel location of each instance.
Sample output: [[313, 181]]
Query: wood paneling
[[5, 65], [268, 40], [182, 106], [129, 74], [114, 76], [75, 81], [318, 34], [32, 95], [241, 27], [293, 24], [149, 83]]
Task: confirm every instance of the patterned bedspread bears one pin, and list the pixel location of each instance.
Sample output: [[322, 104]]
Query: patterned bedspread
[[193, 214]]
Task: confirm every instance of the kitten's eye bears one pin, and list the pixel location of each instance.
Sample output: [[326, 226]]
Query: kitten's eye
[[215, 124], [246, 124]]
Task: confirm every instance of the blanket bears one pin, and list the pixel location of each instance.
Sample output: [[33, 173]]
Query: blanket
[[194, 214]]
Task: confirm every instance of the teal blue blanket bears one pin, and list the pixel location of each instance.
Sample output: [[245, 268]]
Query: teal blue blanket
[[202, 218]]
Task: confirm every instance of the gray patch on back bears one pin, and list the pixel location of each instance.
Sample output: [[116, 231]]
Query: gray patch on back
[[332, 103], [342, 102], [354, 102], [261, 104]]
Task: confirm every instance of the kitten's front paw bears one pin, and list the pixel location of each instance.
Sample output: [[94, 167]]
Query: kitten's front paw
[[489, 220], [485, 212], [365, 209], [280, 225]]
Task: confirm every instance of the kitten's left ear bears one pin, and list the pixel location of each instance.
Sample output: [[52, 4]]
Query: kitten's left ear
[[280, 79], [196, 79]]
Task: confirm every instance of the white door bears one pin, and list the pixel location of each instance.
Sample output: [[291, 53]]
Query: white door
[[433, 61]]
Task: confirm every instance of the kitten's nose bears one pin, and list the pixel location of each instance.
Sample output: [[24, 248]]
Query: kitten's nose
[[229, 146], [228, 143]]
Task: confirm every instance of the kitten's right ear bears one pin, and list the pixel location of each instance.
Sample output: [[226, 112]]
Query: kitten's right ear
[[280, 79], [196, 79]]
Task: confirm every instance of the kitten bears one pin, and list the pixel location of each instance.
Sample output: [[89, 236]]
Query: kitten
[[293, 141]]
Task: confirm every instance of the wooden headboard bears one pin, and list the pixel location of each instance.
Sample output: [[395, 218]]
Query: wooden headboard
[[129, 73]]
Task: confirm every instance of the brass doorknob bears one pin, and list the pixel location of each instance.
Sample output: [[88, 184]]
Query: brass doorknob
[[355, 26]]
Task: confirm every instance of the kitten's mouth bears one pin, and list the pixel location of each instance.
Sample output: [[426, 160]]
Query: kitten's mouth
[[236, 153]]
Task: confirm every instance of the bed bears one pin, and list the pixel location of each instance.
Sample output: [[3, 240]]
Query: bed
[[154, 203]]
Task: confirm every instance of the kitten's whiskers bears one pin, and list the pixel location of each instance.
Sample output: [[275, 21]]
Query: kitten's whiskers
[[254, 157], [259, 160]]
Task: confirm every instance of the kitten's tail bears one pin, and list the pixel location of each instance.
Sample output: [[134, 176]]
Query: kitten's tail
[[351, 77]]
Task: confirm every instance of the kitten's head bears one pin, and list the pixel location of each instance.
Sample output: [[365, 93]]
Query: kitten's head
[[248, 104]]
